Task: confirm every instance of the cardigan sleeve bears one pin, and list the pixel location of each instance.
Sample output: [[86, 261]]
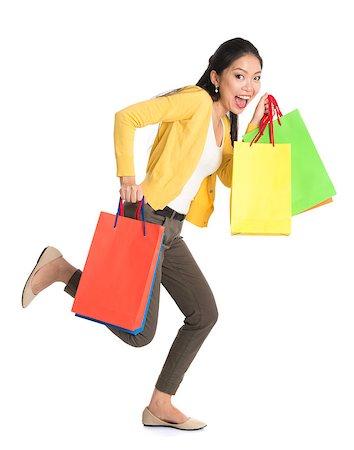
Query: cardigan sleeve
[[176, 106], [224, 172], [251, 126]]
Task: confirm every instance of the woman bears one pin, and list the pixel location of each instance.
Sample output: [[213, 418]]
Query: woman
[[194, 143]]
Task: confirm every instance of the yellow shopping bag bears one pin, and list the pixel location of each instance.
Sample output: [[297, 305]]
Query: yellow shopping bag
[[261, 189]]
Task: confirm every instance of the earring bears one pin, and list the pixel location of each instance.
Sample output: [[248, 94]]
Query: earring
[[216, 89]]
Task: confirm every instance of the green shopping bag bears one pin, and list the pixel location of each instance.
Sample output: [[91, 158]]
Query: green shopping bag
[[310, 183]]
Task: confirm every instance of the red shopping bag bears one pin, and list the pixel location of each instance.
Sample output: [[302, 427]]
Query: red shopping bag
[[118, 277]]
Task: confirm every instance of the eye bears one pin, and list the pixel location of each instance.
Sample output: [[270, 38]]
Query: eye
[[239, 76], [257, 78]]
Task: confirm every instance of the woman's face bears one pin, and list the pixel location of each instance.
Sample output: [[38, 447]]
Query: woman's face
[[239, 83]]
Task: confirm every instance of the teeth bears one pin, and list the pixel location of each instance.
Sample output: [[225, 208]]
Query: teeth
[[245, 97]]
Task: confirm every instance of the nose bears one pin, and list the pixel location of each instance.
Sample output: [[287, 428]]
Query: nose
[[247, 85]]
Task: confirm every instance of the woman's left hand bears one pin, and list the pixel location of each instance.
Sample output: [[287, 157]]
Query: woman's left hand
[[261, 109]]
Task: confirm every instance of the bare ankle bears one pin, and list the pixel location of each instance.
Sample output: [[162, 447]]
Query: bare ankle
[[65, 270], [161, 406], [160, 399]]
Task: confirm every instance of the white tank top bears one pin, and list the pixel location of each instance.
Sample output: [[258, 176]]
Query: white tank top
[[209, 162]]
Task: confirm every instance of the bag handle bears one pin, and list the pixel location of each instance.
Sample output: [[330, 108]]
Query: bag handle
[[120, 212], [268, 119]]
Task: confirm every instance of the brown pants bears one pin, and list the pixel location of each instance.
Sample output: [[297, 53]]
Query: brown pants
[[182, 278]]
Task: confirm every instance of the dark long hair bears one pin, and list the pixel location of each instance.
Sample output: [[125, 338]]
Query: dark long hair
[[223, 57]]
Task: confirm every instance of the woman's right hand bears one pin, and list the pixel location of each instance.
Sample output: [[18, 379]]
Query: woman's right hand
[[130, 191], [261, 109]]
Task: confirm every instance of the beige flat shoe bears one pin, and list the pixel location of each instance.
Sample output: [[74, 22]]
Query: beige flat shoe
[[47, 255], [150, 420]]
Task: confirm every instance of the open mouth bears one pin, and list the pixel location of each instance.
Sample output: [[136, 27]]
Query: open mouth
[[242, 100]]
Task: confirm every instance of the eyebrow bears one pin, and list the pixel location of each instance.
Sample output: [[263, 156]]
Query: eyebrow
[[243, 70]]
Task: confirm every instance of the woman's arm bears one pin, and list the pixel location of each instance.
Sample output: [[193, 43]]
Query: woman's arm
[[251, 126], [177, 106]]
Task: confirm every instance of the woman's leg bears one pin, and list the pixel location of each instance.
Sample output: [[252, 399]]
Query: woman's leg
[[185, 282]]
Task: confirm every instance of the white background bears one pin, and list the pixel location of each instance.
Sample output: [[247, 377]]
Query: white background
[[277, 370]]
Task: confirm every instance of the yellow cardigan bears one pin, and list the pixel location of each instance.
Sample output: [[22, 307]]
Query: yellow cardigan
[[178, 145]]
